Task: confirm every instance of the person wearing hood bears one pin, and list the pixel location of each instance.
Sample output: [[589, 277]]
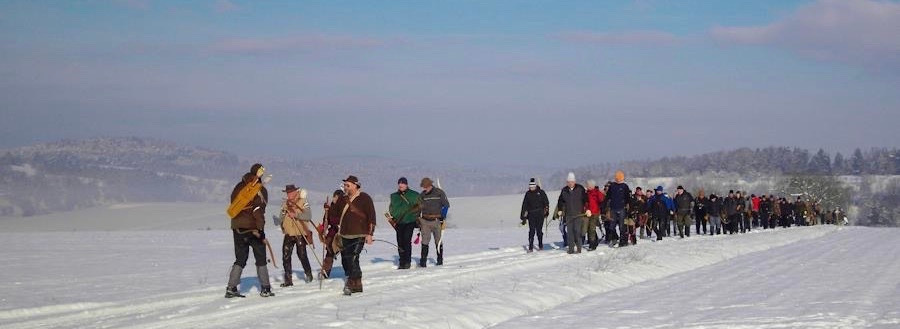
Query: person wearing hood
[[572, 207], [535, 207]]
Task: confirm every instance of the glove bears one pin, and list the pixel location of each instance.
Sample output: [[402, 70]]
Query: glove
[[587, 213], [523, 222], [559, 213]]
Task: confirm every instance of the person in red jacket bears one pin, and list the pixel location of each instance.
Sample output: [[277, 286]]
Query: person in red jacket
[[595, 199], [754, 211]]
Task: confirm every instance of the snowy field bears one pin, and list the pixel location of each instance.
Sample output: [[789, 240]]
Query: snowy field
[[158, 266]]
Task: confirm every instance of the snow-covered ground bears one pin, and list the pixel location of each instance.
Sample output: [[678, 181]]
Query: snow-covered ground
[[170, 273]]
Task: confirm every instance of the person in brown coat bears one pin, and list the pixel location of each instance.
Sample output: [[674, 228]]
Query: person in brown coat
[[357, 227], [328, 230], [248, 232]]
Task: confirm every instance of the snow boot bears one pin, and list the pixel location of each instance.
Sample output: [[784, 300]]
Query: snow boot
[[266, 291], [232, 292], [288, 280], [347, 290], [423, 261], [357, 286], [440, 257], [308, 278]]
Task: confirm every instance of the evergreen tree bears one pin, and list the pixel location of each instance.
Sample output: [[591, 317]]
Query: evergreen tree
[[857, 163], [820, 163], [839, 167]]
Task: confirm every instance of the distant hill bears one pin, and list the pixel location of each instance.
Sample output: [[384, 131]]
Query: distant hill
[[76, 174]]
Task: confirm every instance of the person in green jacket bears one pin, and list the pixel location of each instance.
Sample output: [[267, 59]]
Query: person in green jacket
[[402, 214]]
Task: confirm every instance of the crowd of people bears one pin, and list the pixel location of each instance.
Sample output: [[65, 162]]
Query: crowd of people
[[613, 214], [619, 216]]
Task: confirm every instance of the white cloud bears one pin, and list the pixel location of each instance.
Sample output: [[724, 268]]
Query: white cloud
[[859, 32]]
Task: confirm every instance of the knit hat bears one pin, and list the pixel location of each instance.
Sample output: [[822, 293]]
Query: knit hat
[[680, 187], [532, 183], [659, 188], [403, 181], [570, 177]]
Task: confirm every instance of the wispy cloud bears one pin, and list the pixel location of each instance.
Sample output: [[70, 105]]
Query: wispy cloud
[[299, 43], [642, 37], [859, 32]]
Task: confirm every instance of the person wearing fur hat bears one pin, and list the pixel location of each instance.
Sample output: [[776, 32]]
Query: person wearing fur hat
[[619, 196], [572, 207], [296, 224], [248, 232], [356, 229], [402, 214], [535, 207], [434, 205]]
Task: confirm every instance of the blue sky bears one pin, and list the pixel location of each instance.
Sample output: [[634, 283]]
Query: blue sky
[[482, 82]]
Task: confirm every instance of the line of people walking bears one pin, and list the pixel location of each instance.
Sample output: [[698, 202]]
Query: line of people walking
[[618, 216]]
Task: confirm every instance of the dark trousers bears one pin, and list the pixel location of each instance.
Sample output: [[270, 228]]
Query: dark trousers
[[733, 223], [745, 220], [660, 223], [618, 218], [535, 227], [699, 220], [404, 241], [243, 243], [764, 220], [287, 248], [350, 257]]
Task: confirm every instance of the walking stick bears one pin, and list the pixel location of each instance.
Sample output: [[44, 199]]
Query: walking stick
[[271, 254]]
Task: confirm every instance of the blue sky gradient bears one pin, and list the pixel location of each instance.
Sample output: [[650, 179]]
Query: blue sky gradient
[[479, 82]]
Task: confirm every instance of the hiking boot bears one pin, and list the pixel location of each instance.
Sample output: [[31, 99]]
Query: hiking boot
[[440, 256], [232, 292], [308, 277], [423, 260], [357, 286], [286, 284], [266, 291]]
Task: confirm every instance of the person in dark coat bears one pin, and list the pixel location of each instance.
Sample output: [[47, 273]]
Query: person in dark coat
[[714, 210], [535, 207], [572, 207], [659, 212], [684, 203], [619, 196], [700, 212]]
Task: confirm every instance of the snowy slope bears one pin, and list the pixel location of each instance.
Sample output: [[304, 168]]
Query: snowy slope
[[175, 279]]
